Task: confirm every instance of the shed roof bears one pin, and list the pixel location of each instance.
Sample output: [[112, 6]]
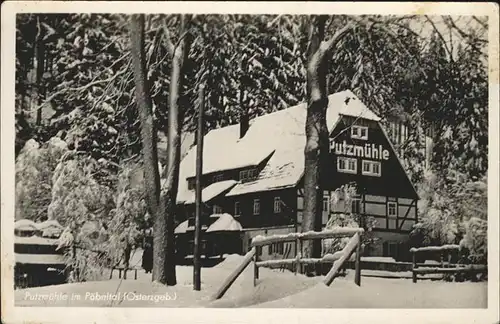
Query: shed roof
[[212, 191], [281, 132], [224, 223], [45, 259]]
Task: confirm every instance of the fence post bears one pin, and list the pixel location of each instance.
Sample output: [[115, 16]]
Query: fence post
[[357, 276], [296, 257], [414, 274], [258, 249]]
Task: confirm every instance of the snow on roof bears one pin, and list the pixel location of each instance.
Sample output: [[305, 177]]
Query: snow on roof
[[211, 191], [182, 227], [224, 223], [281, 132], [29, 225], [25, 225], [35, 240], [52, 259], [49, 223]]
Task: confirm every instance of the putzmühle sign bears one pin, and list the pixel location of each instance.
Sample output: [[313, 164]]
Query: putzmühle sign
[[370, 151]]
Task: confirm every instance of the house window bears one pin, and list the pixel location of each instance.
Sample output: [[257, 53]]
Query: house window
[[371, 168], [217, 209], [392, 209], [326, 203], [218, 177], [347, 165], [256, 206], [237, 211], [243, 175], [276, 248], [247, 175], [356, 205], [191, 184], [359, 132], [277, 204]]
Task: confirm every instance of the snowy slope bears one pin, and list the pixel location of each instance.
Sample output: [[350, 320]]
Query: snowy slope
[[274, 289]]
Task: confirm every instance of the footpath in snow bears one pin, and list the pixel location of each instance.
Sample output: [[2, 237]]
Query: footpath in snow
[[275, 289]]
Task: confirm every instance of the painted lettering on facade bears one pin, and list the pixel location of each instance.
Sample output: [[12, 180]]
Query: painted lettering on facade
[[370, 151]]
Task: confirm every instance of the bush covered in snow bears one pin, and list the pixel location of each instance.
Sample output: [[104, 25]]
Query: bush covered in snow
[[128, 218], [83, 205], [348, 219], [454, 211], [35, 167], [475, 239]]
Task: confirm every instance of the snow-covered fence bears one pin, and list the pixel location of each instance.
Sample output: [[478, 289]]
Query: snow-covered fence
[[337, 258], [442, 267], [230, 280]]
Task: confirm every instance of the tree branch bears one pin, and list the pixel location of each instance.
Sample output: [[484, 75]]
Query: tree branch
[[440, 36], [482, 23], [82, 88], [326, 46], [168, 40]]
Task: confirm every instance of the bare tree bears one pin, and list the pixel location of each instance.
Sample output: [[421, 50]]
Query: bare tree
[[316, 149], [148, 133]]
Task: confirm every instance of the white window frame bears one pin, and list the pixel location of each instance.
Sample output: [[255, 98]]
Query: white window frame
[[216, 209], [347, 160], [243, 175], [356, 132], [326, 198], [237, 209], [389, 205], [256, 206], [277, 205], [371, 172], [356, 200]]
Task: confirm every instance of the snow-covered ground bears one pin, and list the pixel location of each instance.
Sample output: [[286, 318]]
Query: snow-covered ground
[[274, 289]]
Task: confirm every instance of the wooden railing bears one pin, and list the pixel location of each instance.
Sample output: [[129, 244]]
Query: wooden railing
[[337, 258], [442, 266]]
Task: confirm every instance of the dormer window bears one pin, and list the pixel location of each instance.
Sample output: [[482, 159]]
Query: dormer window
[[243, 175], [248, 175], [359, 132]]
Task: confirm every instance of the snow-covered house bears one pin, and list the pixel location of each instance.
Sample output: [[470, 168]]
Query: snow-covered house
[[253, 171]]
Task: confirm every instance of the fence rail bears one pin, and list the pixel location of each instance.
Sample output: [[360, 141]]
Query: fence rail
[[338, 258], [442, 267]]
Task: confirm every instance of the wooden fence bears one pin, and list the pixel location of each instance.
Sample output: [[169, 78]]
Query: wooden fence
[[443, 266], [338, 258]]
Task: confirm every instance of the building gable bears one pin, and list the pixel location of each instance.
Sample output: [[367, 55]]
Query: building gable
[[361, 152], [278, 139]]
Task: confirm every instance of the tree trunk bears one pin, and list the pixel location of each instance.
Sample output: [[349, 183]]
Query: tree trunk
[[40, 69], [316, 149], [316, 137], [164, 264], [149, 141]]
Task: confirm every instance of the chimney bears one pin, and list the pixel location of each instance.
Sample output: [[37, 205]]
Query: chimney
[[244, 123]]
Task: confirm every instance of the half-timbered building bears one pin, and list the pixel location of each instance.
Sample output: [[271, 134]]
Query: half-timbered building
[[253, 171]]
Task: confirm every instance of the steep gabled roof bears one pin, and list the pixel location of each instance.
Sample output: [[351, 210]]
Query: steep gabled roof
[[281, 132]]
